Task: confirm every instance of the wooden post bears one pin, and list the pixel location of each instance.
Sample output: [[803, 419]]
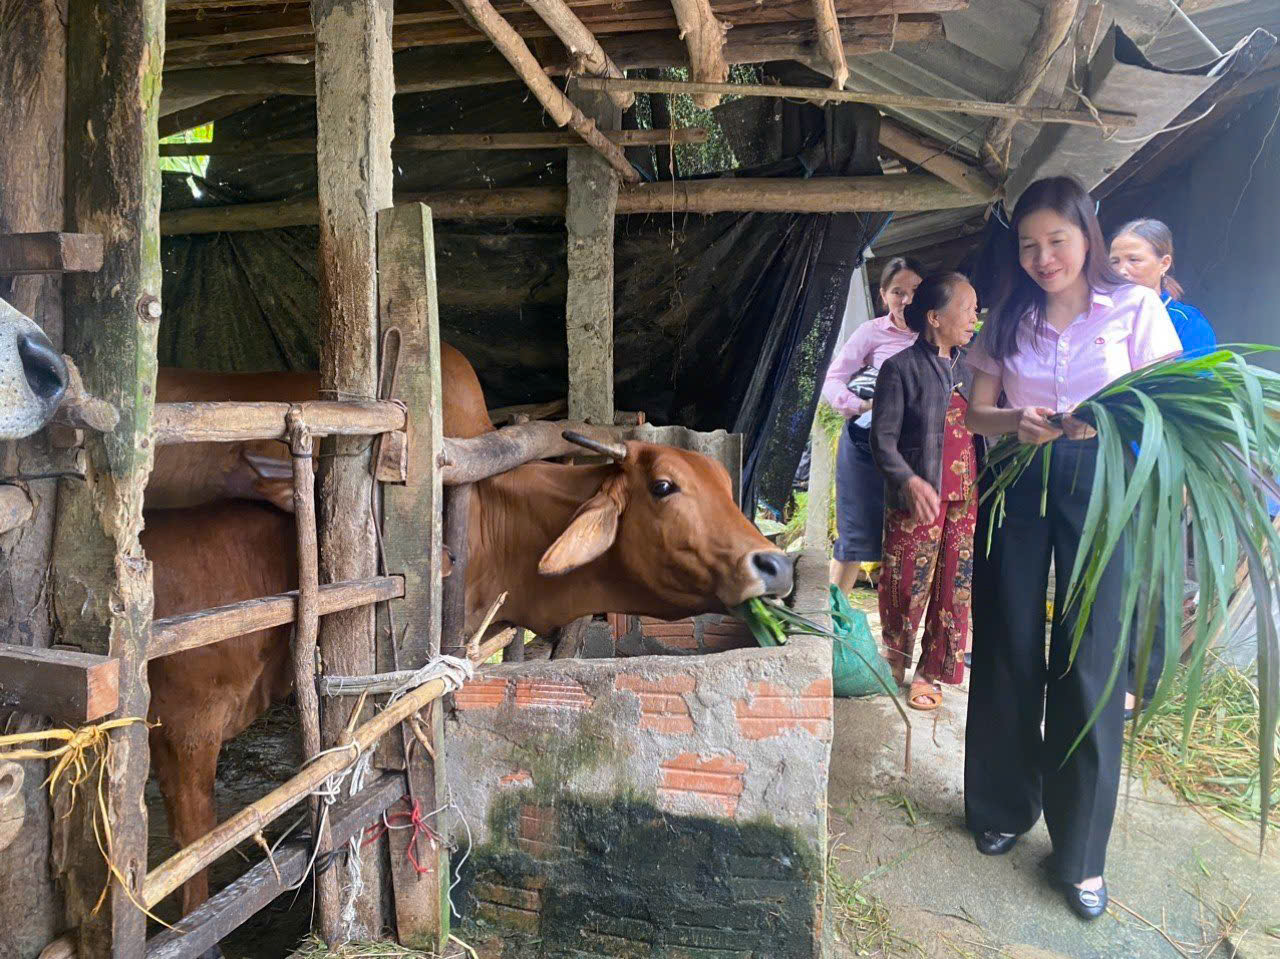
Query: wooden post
[[457, 518], [102, 581], [413, 531], [33, 91], [354, 128], [589, 218]]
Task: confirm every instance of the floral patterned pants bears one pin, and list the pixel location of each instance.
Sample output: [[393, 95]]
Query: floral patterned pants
[[929, 564]]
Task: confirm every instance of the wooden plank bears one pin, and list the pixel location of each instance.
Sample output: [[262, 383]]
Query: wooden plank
[[864, 194], [980, 108], [244, 898], [228, 422], [49, 253], [102, 590], [412, 530], [434, 142], [202, 110], [453, 616], [71, 687], [174, 634], [589, 220], [354, 128]]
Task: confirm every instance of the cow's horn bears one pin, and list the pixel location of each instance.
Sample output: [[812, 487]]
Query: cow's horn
[[617, 451]]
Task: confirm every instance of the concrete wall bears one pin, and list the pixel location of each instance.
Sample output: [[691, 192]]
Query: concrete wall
[[666, 806], [1224, 208]]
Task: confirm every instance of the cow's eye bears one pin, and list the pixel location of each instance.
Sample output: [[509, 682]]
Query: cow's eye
[[661, 489]]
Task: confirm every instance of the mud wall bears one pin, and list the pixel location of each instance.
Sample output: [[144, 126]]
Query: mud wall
[[660, 806]]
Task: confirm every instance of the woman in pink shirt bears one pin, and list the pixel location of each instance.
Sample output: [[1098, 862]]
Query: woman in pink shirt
[[1063, 325], [859, 485]]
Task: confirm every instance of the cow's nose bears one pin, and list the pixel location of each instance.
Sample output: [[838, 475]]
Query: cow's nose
[[775, 571], [44, 368]]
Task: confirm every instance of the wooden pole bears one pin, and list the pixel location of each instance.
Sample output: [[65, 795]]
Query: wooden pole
[[580, 43], [557, 105], [32, 155], [830, 43], [329, 905], [933, 157], [1051, 32], [979, 108], [230, 422], [432, 142], [589, 220], [861, 194], [457, 520], [102, 590], [704, 36], [354, 129], [412, 530]]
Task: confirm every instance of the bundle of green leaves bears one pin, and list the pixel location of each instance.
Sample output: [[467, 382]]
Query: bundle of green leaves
[[1199, 437]]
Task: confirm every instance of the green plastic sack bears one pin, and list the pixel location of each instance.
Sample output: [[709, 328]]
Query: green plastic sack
[[856, 659]]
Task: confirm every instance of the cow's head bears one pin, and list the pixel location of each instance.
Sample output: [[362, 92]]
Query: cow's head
[[667, 517], [33, 376]]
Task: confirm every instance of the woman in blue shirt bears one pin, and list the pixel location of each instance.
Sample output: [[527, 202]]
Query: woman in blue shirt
[[1142, 252]]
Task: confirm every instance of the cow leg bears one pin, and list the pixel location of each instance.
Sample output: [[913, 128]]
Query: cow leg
[[186, 775]]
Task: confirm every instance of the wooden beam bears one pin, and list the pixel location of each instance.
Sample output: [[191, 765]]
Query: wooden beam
[[704, 36], [934, 157], [865, 194], [890, 100], [102, 593], [201, 930], [72, 687], [1051, 32], [206, 110], [50, 253], [355, 86], [830, 43], [413, 537], [589, 221], [230, 422], [175, 634], [581, 44], [435, 142], [560, 108]]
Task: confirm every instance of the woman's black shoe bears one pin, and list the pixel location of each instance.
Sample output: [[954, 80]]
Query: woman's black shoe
[[1085, 903], [993, 843]]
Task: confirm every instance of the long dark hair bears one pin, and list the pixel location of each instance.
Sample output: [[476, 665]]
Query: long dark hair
[[1015, 293], [933, 293], [1157, 235]]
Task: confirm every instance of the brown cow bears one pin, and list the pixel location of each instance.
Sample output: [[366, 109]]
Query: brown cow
[[656, 534]]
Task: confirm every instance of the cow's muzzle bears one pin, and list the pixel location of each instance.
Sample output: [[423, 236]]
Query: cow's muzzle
[[776, 570], [43, 367]]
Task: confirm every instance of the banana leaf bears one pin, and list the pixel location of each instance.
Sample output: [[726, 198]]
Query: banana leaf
[[1198, 438]]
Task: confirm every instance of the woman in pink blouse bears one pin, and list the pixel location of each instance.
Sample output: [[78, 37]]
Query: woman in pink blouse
[[859, 485], [1063, 325]]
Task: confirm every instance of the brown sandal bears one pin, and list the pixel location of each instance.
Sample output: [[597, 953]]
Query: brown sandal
[[931, 693]]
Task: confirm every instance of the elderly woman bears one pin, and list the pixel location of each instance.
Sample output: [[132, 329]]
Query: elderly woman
[[859, 489], [930, 468]]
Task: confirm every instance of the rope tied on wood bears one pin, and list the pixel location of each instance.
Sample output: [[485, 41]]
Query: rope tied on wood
[[84, 756]]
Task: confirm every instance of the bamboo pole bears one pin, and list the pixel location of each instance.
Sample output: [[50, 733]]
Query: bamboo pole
[[229, 422], [184, 864], [830, 43], [581, 44], [858, 194], [981, 108], [304, 658], [561, 110], [440, 142]]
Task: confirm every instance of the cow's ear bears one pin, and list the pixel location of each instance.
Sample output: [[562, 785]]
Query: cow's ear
[[591, 531]]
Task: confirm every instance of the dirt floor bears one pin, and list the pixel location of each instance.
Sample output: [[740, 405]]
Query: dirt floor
[[907, 880]]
